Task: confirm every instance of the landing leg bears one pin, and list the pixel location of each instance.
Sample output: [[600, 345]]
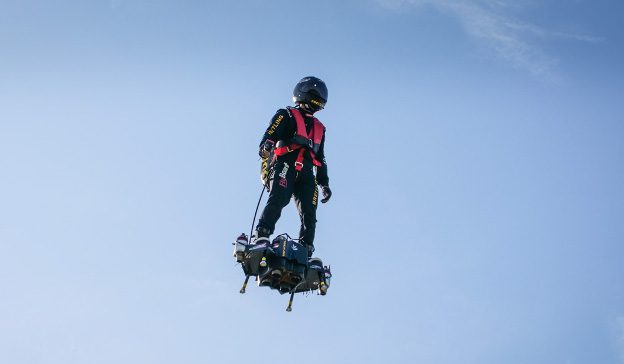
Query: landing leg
[[245, 284], [290, 301]]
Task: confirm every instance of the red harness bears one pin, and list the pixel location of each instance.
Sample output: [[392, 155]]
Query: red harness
[[313, 141]]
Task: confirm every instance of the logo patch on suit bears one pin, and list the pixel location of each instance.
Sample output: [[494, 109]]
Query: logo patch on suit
[[283, 181]]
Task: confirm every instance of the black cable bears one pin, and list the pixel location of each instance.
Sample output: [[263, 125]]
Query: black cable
[[256, 213], [265, 187]]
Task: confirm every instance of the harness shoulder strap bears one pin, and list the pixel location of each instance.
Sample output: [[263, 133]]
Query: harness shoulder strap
[[301, 128], [319, 129]]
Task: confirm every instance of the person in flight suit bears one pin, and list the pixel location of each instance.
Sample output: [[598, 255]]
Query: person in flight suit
[[296, 139]]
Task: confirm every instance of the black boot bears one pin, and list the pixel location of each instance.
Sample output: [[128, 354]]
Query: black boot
[[310, 248], [261, 235]]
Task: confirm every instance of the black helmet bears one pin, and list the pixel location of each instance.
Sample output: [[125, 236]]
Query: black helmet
[[311, 91]]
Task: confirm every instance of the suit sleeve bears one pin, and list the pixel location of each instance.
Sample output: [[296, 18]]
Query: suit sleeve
[[321, 174], [277, 130]]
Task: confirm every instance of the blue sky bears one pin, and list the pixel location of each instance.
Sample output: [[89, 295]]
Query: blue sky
[[474, 150]]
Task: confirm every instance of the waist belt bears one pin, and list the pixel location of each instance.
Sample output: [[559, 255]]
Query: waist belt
[[299, 161]]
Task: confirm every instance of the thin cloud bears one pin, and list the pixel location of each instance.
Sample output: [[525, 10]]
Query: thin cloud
[[490, 23]]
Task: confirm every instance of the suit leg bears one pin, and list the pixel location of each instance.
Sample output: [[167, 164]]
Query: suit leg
[[306, 198], [282, 186]]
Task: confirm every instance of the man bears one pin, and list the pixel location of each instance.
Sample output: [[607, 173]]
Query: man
[[297, 140]]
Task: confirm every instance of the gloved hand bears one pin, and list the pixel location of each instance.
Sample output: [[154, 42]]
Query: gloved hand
[[327, 193], [267, 147]]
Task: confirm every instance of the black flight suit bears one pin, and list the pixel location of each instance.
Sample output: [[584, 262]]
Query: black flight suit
[[287, 182]]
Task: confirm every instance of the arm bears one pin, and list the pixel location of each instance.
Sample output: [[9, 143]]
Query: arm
[[276, 131], [321, 174]]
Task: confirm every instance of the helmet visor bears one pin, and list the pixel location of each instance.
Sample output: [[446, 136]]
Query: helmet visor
[[316, 88]]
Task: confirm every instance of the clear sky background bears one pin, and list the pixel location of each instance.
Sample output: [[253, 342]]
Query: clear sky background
[[475, 151]]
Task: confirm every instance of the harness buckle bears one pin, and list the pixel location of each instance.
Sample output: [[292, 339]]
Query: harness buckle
[[298, 166]]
